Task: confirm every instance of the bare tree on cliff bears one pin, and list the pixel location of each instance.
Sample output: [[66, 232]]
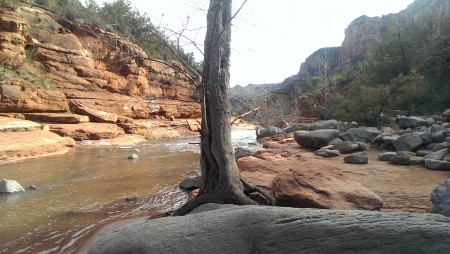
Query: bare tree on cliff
[[221, 178]]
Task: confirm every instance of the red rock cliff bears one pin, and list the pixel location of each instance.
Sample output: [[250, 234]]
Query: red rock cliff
[[98, 68]]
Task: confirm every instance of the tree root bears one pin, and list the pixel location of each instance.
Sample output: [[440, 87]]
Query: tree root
[[225, 196], [248, 189]]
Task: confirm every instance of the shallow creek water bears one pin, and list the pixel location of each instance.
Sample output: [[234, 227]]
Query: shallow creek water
[[86, 188]]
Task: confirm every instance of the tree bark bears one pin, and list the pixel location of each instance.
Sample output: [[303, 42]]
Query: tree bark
[[221, 178]]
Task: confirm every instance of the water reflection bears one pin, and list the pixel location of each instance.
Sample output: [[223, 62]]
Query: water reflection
[[86, 188]]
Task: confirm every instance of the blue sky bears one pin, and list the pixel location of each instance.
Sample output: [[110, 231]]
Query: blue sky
[[270, 39]]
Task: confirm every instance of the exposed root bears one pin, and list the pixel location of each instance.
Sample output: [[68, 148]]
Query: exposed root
[[248, 189]]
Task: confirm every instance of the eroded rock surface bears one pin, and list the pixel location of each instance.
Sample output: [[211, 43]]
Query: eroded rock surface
[[257, 229]]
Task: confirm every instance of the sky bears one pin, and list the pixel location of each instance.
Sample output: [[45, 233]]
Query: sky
[[270, 38]]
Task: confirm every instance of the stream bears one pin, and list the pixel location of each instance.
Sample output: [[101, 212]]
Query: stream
[[82, 190]]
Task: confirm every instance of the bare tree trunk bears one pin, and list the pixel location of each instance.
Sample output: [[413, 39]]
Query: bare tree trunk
[[221, 179]]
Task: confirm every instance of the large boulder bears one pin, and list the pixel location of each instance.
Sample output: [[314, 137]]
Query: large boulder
[[411, 122], [315, 139], [407, 142], [352, 133], [259, 229], [440, 198], [10, 186], [437, 165], [438, 155], [322, 125], [318, 184], [369, 134]]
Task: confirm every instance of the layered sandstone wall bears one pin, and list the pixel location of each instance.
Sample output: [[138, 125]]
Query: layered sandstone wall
[[103, 70]]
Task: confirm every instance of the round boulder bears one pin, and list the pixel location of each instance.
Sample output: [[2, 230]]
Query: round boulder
[[10, 186], [440, 198], [315, 139]]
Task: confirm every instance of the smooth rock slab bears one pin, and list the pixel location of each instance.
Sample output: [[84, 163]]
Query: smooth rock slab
[[319, 184], [10, 186], [258, 229], [440, 198]]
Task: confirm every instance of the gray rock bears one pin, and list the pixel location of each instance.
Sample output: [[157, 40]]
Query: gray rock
[[10, 186], [431, 146], [136, 150], [352, 133], [446, 125], [362, 146], [407, 142], [264, 229], [430, 121], [437, 118], [425, 136], [386, 156], [335, 141], [439, 137], [406, 154], [437, 165], [33, 187], [379, 138], [411, 122], [191, 183], [267, 132], [390, 139], [438, 155], [344, 147], [132, 198], [401, 160], [424, 129], [369, 134], [357, 158], [423, 153], [440, 198], [327, 153], [133, 156], [436, 128], [441, 146], [296, 127], [323, 125], [315, 139], [240, 152], [409, 130]]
